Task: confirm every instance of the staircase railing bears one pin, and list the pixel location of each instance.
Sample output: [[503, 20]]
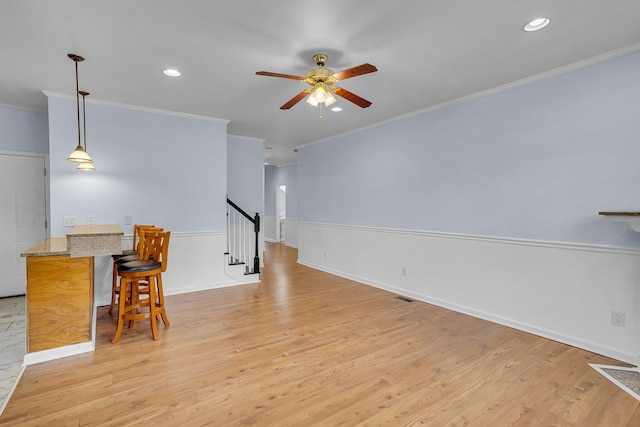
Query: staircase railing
[[241, 228]]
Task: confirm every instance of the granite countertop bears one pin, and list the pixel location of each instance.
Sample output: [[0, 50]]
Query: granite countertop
[[48, 247], [96, 230], [89, 238]]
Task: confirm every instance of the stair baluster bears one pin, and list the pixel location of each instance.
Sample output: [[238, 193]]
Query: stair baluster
[[239, 245]]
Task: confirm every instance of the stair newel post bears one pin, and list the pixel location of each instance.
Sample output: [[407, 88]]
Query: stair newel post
[[256, 228]]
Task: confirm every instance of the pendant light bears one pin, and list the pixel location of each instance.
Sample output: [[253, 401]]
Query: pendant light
[[85, 166], [79, 154]]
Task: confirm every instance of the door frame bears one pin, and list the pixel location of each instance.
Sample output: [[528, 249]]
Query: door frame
[[277, 236]]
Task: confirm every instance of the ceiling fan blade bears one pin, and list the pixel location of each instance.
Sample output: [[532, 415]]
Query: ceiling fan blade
[[284, 76], [293, 101], [350, 96], [355, 71]]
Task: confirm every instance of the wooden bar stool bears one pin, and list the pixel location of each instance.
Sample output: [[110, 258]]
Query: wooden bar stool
[[144, 277], [126, 256]]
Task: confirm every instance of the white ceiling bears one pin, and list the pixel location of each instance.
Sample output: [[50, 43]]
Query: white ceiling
[[427, 52]]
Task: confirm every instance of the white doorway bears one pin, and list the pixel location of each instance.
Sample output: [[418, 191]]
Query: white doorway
[[23, 213], [281, 213]]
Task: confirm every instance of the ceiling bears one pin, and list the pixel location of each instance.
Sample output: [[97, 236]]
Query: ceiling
[[428, 52]]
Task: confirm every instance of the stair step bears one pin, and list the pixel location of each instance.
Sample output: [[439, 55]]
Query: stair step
[[239, 271]]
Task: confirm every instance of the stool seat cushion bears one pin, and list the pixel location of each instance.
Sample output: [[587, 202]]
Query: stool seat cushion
[[125, 252], [139, 266], [128, 258]]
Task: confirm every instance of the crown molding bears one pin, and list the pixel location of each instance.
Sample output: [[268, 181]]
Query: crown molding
[[248, 138], [135, 107], [20, 108]]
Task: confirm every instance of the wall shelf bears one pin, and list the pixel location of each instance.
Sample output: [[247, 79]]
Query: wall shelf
[[630, 217]]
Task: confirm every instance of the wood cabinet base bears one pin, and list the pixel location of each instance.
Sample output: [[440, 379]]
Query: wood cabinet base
[[59, 301]]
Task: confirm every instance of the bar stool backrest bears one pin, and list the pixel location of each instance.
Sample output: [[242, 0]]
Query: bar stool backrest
[[140, 233], [136, 234], [155, 245]]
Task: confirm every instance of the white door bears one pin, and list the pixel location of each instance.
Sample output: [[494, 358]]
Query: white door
[[22, 217]]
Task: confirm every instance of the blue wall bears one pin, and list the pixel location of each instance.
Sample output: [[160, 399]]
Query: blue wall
[[245, 173], [535, 162], [275, 177], [22, 130], [159, 168]]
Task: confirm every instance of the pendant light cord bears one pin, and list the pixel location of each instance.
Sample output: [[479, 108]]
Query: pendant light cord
[[78, 103], [84, 119]]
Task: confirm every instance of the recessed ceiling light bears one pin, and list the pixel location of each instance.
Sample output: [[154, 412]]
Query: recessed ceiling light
[[336, 109], [536, 24], [171, 72], [266, 163]]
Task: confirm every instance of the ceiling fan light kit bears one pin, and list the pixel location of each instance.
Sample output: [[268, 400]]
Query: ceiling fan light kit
[[321, 80], [321, 94]]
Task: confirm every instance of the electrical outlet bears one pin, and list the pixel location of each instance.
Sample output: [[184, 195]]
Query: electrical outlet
[[405, 271], [90, 219], [618, 318], [127, 220], [326, 254], [68, 221]]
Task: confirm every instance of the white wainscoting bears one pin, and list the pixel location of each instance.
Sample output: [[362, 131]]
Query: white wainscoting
[[291, 234], [562, 291], [291, 238], [269, 223], [196, 263]]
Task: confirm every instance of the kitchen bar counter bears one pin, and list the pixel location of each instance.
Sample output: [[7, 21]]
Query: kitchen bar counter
[[82, 240], [60, 309]]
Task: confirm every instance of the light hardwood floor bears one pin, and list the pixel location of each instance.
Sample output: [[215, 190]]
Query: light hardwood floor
[[305, 348]]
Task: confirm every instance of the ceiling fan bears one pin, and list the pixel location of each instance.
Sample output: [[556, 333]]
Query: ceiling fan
[[322, 82]]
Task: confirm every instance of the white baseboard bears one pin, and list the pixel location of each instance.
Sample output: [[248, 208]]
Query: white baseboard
[[57, 353]]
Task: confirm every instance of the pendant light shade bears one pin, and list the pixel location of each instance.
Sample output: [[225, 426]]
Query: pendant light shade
[[79, 154], [87, 167]]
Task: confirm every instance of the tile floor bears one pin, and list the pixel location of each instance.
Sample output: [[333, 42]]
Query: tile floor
[[12, 345]]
